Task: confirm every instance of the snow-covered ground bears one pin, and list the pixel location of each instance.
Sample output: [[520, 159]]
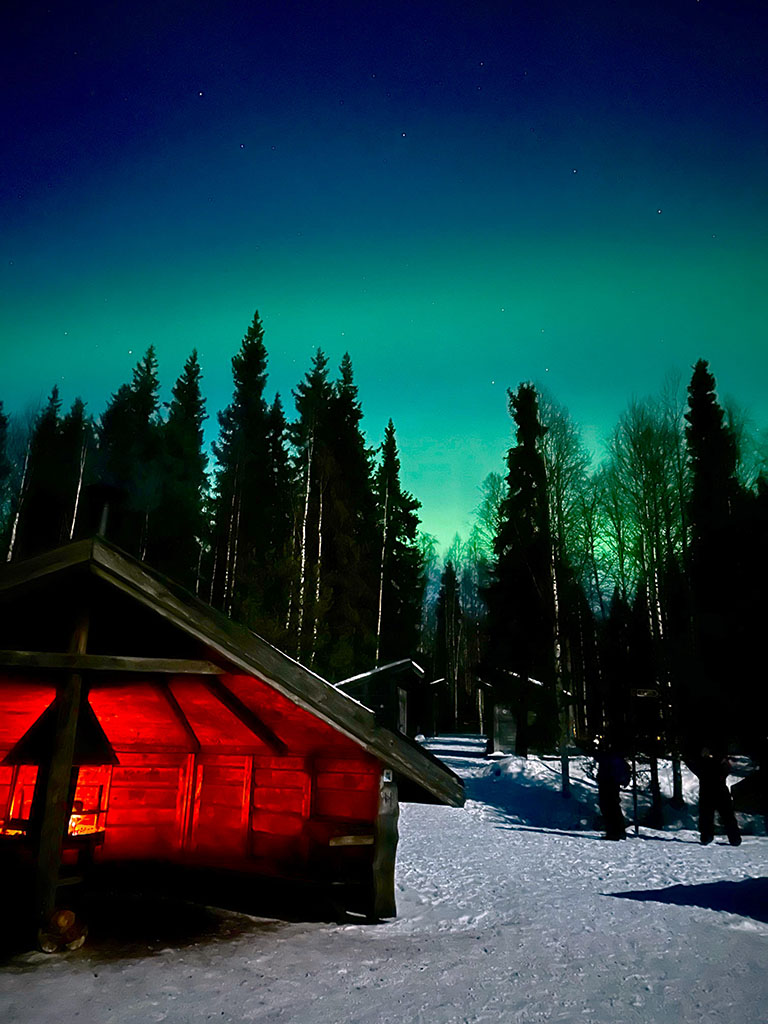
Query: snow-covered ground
[[510, 909]]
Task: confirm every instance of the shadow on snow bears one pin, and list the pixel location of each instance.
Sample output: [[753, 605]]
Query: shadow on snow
[[748, 898]]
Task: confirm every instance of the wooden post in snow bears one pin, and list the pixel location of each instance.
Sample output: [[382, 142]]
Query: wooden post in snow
[[57, 793], [385, 849]]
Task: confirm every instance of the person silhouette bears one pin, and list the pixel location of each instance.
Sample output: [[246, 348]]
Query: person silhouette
[[712, 771], [612, 773]]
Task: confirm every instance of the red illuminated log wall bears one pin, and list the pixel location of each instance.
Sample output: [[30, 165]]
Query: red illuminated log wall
[[194, 782]]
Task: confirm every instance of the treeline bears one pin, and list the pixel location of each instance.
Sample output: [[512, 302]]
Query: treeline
[[296, 527], [626, 602]]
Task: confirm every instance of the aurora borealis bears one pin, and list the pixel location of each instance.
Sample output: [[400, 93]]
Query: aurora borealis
[[463, 196]]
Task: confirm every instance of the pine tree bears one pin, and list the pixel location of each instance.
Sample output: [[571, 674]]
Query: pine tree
[[178, 524], [401, 567], [334, 611], [129, 458], [714, 558], [251, 528], [40, 511], [352, 562], [520, 596], [449, 646], [269, 615], [311, 465]]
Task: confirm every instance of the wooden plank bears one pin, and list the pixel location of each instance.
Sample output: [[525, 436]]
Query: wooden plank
[[342, 806], [352, 841], [185, 800], [245, 804], [108, 663], [277, 824], [289, 800]]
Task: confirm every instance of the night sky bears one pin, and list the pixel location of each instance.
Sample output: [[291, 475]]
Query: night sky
[[463, 195]]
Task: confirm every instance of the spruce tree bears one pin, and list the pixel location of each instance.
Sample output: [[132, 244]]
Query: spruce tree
[[714, 560], [336, 544], [449, 642], [129, 458], [401, 566], [41, 509], [178, 526], [309, 436], [251, 528], [352, 563], [277, 581], [520, 595]]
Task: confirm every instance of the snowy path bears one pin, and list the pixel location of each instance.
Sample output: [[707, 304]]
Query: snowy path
[[499, 921]]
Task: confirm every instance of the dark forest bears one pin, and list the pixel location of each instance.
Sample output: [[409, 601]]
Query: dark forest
[[620, 603]]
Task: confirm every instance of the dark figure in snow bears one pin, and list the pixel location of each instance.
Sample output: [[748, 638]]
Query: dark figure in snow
[[714, 795], [612, 773]]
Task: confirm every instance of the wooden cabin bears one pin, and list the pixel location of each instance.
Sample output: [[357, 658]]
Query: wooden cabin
[[138, 724], [398, 693]]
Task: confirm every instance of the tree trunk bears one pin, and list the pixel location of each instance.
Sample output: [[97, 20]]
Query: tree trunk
[[303, 555], [22, 488], [83, 456], [655, 817], [317, 580], [677, 782], [381, 574]]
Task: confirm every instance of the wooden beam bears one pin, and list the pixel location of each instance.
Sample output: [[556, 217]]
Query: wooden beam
[[57, 781], [244, 714], [180, 717], [386, 833], [14, 574], [72, 662]]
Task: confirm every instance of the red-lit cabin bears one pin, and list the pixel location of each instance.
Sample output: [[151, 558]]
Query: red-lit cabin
[[136, 723]]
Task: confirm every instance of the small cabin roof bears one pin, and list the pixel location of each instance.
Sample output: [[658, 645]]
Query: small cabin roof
[[236, 648], [391, 668]]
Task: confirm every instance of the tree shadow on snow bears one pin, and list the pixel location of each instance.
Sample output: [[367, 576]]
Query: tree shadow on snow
[[581, 834], [548, 831], [748, 898]]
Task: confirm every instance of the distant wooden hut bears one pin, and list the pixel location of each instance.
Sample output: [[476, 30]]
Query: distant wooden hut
[[398, 693], [137, 723]]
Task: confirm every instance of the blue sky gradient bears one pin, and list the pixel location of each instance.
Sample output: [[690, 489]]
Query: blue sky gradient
[[463, 196]]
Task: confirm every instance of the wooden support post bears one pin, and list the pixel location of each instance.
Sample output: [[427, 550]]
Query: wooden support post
[[383, 895], [56, 807]]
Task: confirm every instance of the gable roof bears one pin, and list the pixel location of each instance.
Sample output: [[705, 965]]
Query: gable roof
[[235, 647], [392, 667]]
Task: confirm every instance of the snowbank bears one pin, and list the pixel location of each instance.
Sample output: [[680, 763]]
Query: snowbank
[[529, 791]]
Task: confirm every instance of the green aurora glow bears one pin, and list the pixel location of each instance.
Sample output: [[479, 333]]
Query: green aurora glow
[[455, 238]]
